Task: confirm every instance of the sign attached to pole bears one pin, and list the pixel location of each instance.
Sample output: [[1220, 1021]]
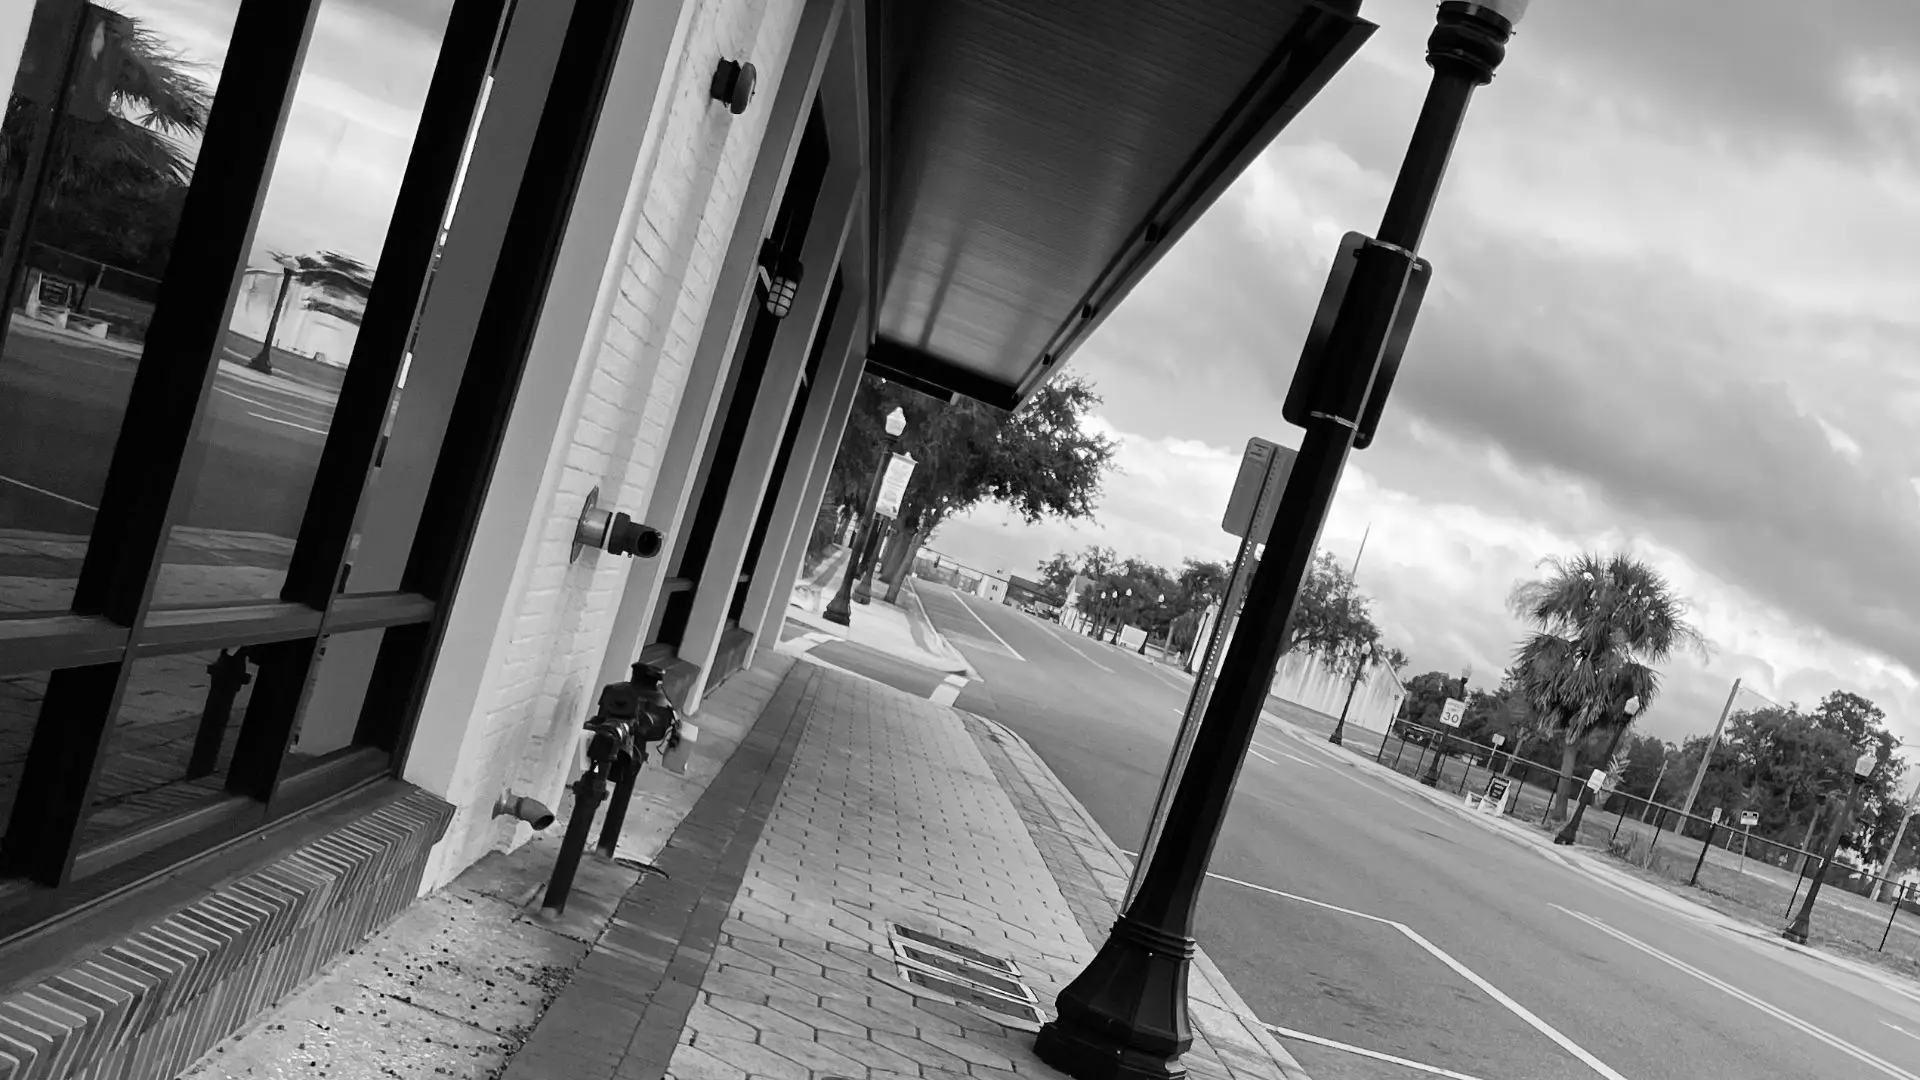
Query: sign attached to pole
[[1453, 712], [1261, 456], [1716, 815], [1270, 481], [1499, 740], [893, 486], [1598, 780], [1749, 818]]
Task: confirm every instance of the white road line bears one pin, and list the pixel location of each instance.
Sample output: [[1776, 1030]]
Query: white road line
[[1432, 1070], [289, 423], [1459, 968], [1735, 992], [983, 625], [1901, 1030], [48, 494], [948, 691], [1064, 640], [1264, 757]]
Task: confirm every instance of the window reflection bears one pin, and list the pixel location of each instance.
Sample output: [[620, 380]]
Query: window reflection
[[90, 195], [20, 697], [297, 312], [171, 742]]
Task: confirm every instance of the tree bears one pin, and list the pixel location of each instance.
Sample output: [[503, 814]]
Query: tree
[[1058, 572], [1600, 624], [1331, 616], [338, 284], [1038, 461], [117, 159]]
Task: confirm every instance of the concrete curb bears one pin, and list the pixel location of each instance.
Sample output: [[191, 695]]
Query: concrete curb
[[1255, 1030], [1585, 862]]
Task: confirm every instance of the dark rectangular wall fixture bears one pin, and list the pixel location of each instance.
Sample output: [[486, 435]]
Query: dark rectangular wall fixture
[[501, 343]]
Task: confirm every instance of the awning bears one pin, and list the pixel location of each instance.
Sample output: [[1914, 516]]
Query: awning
[[1034, 158]]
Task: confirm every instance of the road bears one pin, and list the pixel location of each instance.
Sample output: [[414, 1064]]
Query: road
[[1372, 927], [62, 401]]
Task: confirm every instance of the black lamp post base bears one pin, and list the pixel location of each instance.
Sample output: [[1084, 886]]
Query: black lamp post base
[[1125, 1017], [1795, 933], [838, 615]]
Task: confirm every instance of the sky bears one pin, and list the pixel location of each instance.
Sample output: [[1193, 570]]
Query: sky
[[1672, 314]]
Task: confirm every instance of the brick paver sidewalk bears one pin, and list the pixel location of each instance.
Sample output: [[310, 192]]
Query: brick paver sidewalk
[[851, 811]]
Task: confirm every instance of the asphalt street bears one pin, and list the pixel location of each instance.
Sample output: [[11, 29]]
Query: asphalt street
[[1384, 936], [62, 402]]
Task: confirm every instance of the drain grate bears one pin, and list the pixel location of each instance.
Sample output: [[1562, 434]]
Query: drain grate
[[971, 972], [921, 937], [968, 994], [963, 973]]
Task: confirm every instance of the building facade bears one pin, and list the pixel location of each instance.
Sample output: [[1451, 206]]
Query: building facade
[[276, 639]]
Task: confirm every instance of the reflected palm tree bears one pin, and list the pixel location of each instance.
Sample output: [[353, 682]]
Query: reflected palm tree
[[340, 283]]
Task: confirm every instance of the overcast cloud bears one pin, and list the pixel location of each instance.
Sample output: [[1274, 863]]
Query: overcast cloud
[[1673, 313]]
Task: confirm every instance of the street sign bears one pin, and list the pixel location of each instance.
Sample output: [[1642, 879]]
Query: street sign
[[1304, 395], [1453, 712], [1716, 815], [1254, 475], [1499, 740], [893, 486], [1749, 818], [1598, 780]]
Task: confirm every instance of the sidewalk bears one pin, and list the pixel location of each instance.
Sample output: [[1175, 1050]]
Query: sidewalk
[[1597, 867], [810, 917], [902, 631]]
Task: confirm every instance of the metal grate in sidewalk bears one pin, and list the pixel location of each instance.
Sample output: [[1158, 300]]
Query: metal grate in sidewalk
[[963, 973]]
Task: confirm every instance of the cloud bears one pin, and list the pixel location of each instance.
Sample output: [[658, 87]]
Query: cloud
[[1672, 315]]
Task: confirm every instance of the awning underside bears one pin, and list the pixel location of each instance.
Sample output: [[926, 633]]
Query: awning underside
[[1035, 157]]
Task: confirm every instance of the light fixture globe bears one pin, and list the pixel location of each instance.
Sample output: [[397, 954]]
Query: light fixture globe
[[1510, 10], [1864, 766], [1632, 707], [896, 422]]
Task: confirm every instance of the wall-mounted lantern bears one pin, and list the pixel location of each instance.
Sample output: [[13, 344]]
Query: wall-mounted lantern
[[780, 275]]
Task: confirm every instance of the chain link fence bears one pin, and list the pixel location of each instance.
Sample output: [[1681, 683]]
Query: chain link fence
[[1739, 871]]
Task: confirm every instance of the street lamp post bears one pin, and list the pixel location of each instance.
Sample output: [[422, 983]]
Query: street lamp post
[[1125, 1016], [1340, 725], [840, 609], [1802, 923], [1571, 830]]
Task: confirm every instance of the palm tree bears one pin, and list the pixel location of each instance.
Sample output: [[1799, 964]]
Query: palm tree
[[343, 284], [1600, 624], [104, 176]]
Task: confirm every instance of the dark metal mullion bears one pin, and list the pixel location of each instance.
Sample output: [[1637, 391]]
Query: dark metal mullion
[[501, 343], [170, 388], [317, 571], [353, 436], [260, 752], [144, 489]]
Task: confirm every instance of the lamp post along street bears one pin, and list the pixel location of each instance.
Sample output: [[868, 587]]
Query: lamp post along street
[[1125, 1016], [1802, 924], [1571, 830], [840, 609]]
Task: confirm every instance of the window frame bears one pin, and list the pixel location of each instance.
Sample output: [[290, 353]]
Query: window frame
[[88, 651]]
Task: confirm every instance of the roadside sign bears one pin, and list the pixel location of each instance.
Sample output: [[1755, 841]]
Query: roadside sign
[[1253, 476], [1598, 780], [1749, 818], [1499, 740], [893, 486], [1453, 712], [1716, 815]]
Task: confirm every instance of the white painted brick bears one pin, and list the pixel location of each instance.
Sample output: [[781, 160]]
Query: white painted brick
[[526, 727]]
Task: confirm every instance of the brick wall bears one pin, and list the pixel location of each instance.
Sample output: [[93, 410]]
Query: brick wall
[[158, 997], [524, 730]]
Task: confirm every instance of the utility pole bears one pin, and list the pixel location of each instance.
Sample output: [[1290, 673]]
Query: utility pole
[[1706, 760]]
